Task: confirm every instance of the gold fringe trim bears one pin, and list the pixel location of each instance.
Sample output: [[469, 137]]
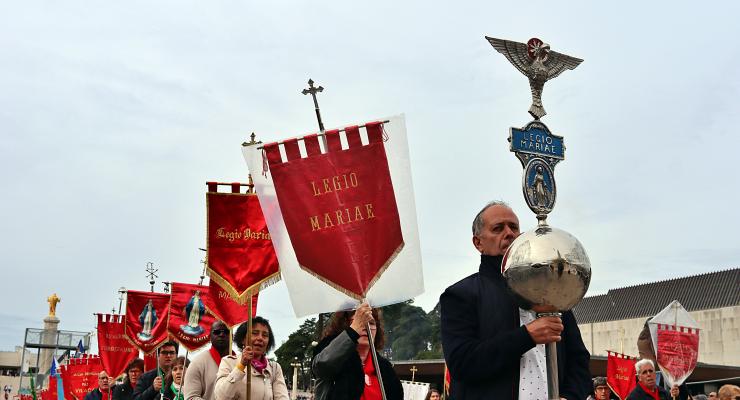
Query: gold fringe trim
[[243, 297], [372, 282]]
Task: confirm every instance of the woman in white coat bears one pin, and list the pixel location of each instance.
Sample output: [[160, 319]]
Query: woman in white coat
[[267, 381]]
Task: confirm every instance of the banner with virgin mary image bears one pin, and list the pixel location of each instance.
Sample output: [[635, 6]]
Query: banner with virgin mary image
[[146, 319], [340, 208], [189, 323]]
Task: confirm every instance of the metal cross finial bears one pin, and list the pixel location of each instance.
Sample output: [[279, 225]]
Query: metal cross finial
[[251, 140], [413, 372], [121, 292], [166, 287], [313, 90], [151, 274]]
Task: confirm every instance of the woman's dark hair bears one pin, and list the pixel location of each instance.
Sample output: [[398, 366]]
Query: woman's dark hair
[[135, 363], [340, 321], [241, 333], [429, 395], [168, 379]]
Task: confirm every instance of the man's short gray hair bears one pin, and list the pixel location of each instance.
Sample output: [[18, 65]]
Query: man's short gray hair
[[478, 220], [642, 362]]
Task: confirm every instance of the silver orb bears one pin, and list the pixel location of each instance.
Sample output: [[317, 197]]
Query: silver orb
[[549, 268]]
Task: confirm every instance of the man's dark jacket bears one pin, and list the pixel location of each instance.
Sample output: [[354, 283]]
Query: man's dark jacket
[[94, 394], [638, 393], [339, 373], [483, 340], [144, 389], [123, 391]]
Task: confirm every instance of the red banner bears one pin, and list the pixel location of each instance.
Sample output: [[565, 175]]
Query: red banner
[[240, 253], [46, 394], [146, 319], [225, 308], [678, 350], [189, 322], [344, 198], [620, 374], [80, 376], [150, 361], [115, 350]]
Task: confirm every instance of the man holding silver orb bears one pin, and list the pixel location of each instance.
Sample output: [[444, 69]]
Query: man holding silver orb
[[493, 343]]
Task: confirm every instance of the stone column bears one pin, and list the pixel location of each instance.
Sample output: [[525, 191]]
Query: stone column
[[49, 338]]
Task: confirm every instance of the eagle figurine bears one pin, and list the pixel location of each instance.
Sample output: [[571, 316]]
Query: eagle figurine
[[537, 62]]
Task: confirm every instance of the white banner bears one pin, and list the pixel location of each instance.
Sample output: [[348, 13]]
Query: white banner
[[401, 281]]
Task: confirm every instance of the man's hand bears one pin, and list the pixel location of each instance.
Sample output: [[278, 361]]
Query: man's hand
[[674, 391], [363, 315], [157, 384], [545, 330]]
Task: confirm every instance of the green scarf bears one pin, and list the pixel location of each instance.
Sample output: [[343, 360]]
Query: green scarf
[[174, 388]]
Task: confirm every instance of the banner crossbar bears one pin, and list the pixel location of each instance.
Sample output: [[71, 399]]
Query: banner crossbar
[[321, 134]]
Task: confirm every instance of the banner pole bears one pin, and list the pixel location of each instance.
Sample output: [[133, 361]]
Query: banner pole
[[182, 379], [248, 368], [374, 355]]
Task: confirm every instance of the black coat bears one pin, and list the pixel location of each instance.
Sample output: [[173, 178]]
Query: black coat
[[124, 391], [339, 373], [94, 394], [483, 340], [144, 389], [638, 393]]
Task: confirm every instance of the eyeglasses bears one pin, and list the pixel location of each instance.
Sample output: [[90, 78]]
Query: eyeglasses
[[220, 332], [167, 353]]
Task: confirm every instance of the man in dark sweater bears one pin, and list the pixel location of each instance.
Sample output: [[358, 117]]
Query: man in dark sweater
[[150, 383], [490, 343]]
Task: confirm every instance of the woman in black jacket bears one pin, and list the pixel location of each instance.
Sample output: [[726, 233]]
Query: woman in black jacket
[[125, 390], [343, 365]]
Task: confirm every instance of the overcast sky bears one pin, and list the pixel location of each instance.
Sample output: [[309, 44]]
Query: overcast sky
[[115, 114]]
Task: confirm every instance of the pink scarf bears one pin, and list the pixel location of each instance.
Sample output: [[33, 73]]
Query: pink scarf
[[259, 364]]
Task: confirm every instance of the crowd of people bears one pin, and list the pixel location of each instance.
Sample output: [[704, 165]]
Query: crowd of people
[[493, 344], [342, 366]]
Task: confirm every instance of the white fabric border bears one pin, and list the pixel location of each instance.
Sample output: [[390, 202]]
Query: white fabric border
[[401, 281]]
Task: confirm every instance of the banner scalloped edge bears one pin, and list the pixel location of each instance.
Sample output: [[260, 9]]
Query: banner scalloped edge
[[372, 282], [244, 296]]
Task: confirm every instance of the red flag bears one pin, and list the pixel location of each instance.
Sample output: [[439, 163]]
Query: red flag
[[240, 253], [678, 349], [225, 308], [620, 374], [146, 319], [448, 381], [189, 322], [115, 350], [344, 198], [80, 376]]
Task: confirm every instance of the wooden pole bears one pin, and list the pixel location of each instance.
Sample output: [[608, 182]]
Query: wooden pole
[[248, 369], [375, 359]]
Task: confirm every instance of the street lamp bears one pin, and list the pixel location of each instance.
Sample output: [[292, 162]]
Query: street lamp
[[295, 364]]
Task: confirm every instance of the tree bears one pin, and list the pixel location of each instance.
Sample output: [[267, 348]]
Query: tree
[[407, 329], [298, 345]]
